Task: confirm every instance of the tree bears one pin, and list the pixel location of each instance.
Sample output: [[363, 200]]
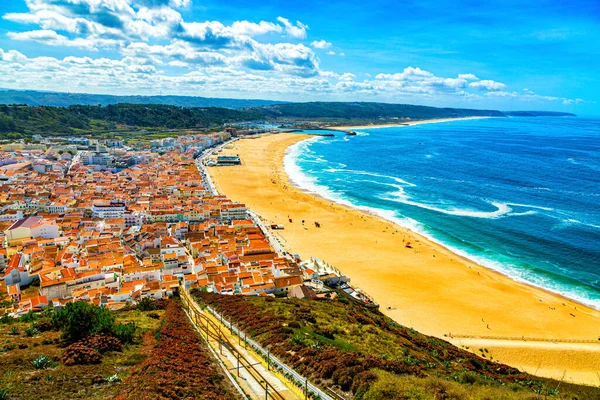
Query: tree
[[80, 319]]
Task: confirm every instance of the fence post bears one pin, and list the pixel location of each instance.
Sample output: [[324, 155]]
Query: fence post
[[238, 364], [268, 360], [306, 388], [220, 341]]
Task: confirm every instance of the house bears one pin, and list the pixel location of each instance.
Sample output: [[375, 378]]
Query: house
[[16, 272], [302, 292], [46, 229], [21, 229]]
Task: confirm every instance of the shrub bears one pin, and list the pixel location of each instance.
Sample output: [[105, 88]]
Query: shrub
[[81, 354], [14, 330], [31, 331], [113, 379], [43, 362], [44, 326], [80, 319], [3, 394], [146, 304], [125, 332], [7, 319], [103, 343], [29, 317]]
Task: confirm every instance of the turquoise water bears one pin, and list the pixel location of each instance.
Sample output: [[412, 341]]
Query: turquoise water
[[518, 195]]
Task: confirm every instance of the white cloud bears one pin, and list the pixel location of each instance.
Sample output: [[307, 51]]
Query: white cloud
[[409, 73], [469, 77], [487, 85], [572, 101], [253, 29], [144, 38], [52, 38], [320, 44], [297, 31]]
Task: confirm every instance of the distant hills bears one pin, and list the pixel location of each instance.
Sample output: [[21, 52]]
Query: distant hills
[[362, 110], [538, 114], [58, 99], [26, 113]]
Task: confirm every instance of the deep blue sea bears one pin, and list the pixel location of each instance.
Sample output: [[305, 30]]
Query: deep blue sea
[[518, 195]]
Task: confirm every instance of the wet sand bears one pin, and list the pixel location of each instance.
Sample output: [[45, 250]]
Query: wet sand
[[426, 287]]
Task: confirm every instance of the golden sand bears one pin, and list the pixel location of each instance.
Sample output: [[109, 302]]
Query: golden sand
[[403, 123], [426, 287]]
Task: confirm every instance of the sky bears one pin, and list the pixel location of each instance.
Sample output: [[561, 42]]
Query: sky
[[496, 54]]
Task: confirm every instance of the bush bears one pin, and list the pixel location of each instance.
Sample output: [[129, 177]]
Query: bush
[[80, 319], [31, 331], [81, 354], [7, 319], [42, 362], [154, 315], [125, 332], [146, 304], [29, 317], [14, 330], [3, 394], [44, 326]]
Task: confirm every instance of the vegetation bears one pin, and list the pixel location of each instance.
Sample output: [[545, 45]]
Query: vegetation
[[179, 366], [17, 121], [357, 110], [37, 98], [80, 319], [25, 374], [365, 355], [21, 121]]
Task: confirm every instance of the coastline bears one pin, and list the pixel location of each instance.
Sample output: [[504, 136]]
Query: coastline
[[407, 123], [428, 287]]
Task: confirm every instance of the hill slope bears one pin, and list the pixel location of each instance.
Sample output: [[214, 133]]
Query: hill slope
[[56, 99], [361, 110]]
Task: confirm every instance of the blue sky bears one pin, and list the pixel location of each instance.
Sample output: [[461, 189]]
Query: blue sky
[[495, 54]]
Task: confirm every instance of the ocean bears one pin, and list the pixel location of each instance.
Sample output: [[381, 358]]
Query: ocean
[[517, 195]]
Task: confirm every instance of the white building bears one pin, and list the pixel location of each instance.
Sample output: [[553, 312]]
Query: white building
[[108, 210], [46, 229]]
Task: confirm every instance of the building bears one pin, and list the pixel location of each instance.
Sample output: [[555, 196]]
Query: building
[[21, 229], [228, 160], [114, 209]]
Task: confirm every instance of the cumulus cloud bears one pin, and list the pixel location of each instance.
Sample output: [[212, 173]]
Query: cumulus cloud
[[320, 44], [151, 38], [487, 85], [469, 77], [52, 38], [297, 31], [253, 29]]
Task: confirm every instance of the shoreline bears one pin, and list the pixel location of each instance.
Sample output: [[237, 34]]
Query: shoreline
[[407, 123], [467, 258], [428, 287]]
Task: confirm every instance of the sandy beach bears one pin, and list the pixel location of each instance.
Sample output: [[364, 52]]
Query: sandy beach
[[405, 123], [426, 287]]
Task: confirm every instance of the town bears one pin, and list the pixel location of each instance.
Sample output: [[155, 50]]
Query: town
[[102, 222]]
